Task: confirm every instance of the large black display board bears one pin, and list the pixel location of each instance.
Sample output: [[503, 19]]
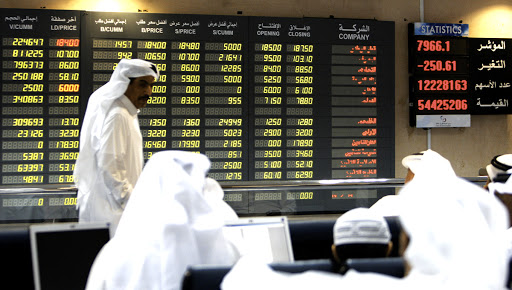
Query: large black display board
[[452, 75], [263, 98]]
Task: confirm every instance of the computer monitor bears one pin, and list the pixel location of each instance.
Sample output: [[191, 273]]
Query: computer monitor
[[15, 256], [62, 254], [266, 237]]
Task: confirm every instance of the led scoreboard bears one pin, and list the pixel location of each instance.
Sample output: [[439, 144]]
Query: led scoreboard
[[439, 84], [40, 88], [457, 76], [266, 99], [200, 103]]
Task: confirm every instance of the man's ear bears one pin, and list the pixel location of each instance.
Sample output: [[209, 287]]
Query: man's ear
[[334, 253], [390, 247]]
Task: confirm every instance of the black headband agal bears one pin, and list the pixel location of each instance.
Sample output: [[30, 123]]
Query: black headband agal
[[153, 67], [499, 165], [501, 177]]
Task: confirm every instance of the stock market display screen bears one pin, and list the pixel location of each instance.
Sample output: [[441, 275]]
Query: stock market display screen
[[454, 75], [40, 96], [266, 99]]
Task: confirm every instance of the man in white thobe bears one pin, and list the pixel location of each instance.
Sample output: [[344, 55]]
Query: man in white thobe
[[456, 232], [500, 184], [111, 157], [174, 219], [415, 163]]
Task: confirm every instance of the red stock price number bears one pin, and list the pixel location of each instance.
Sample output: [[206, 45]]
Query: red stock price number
[[433, 45], [439, 65], [67, 42], [442, 85], [442, 105]]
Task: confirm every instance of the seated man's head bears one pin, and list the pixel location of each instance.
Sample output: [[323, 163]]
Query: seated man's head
[[500, 164], [360, 233], [498, 181], [411, 162], [427, 164]]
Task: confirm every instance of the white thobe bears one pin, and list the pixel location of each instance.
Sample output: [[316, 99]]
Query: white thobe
[[115, 166], [456, 232], [173, 219]]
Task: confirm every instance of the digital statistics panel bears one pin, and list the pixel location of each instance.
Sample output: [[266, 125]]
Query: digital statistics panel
[[440, 82], [266, 99], [457, 77], [40, 90]]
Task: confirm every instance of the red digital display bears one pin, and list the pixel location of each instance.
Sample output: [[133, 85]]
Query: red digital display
[[424, 44], [370, 132], [439, 65], [357, 49], [369, 121], [364, 49], [364, 152], [433, 45], [342, 195], [344, 163], [68, 42], [441, 85], [361, 173], [372, 69], [360, 80], [364, 143], [440, 75], [442, 105]]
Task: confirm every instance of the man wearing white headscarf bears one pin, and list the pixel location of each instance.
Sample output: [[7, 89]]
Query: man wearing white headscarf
[[424, 161], [456, 242], [500, 184], [173, 219], [498, 168], [111, 157]]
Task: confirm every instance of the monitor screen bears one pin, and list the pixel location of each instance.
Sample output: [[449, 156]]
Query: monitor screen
[[62, 254], [266, 237]]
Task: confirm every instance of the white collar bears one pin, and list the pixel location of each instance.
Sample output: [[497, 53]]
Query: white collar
[[129, 105]]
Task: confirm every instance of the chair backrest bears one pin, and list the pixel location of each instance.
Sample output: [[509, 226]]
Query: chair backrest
[[313, 239], [509, 278], [395, 227], [209, 277], [388, 266]]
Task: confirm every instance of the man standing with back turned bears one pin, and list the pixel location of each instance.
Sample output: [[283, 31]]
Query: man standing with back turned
[[111, 157]]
